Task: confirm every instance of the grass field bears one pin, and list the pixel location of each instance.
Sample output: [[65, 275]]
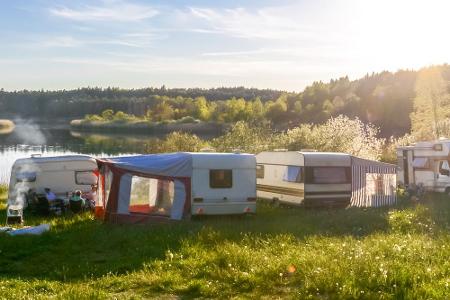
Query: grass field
[[394, 253]]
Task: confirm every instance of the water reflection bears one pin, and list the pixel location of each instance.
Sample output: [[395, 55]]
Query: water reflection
[[60, 140], [114, 144]]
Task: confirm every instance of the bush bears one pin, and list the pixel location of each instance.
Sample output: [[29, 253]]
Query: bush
[[181, 141], [120, 116], [390, 148], [107, 115], [244, 137], [340, 134], [3, 189], [93, 118]]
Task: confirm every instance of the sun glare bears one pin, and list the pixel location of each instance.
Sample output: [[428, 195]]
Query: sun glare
[[401, 34]]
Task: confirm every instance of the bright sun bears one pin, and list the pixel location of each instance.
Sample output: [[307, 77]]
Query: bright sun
[[402, 34]]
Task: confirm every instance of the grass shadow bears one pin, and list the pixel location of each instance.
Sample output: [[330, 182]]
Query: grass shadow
[[80, 247], [301, 222]]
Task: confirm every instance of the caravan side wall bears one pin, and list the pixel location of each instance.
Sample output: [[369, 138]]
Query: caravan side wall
[[280, 176], [57, 175], [328, 179], [307, 178], [223, 184]]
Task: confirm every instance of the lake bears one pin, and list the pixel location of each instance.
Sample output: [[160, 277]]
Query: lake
[[57, 139]]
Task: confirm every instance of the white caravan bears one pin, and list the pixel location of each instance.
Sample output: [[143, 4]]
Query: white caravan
[[426, 164], [62, 174], [304, 178], [223, 183]]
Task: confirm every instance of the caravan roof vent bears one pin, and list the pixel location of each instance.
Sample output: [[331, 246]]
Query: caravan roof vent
[[308, 150], [36, 155], [280, 150], [207, 149]]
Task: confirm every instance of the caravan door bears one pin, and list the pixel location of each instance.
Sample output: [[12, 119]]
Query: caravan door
[[443, 176]]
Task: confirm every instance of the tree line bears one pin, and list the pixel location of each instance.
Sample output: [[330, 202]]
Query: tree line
[[398, 103]]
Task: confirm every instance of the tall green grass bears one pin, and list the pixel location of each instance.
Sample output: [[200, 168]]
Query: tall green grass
[[396, 253]]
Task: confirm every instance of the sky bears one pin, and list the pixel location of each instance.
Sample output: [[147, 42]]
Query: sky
[[282, 44]]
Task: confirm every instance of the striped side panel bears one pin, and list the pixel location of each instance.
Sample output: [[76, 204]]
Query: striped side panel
[[360, 169]]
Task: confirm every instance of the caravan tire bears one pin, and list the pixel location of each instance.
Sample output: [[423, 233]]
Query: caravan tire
[[447, 191]]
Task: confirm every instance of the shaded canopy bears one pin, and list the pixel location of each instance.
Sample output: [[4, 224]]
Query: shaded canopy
[[170, 165]]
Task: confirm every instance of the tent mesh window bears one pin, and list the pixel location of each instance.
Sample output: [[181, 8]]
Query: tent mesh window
[[105, 186], [151, 196]]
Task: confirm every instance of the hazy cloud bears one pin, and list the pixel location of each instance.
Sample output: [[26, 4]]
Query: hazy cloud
[[110, 11], [263, 23]]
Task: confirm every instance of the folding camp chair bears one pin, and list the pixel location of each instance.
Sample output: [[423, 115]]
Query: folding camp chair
[[75, 206]]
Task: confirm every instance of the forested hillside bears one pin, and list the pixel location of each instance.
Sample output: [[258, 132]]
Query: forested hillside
[[388, 100]]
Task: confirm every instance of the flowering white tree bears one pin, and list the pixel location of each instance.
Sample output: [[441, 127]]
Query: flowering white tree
[[340, 134]]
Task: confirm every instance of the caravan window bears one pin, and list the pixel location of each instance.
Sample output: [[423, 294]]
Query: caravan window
[[151, 196], [259, 171], [444, 168], [293, 174], [26, 177], [328, 175], [421, 163], [220, 179], [85, 178]]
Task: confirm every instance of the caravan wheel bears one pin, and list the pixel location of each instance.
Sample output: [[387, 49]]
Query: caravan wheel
[[447, 191], [276, 202]]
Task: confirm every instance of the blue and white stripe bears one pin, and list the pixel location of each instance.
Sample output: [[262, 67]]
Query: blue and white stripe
[[362, 196]]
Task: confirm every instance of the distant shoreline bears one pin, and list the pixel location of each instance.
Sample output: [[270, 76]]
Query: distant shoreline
[[147, 127]]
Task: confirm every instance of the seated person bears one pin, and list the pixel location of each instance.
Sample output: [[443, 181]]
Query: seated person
[[55, 204], [49, 195], [76, 202], [91, 197]]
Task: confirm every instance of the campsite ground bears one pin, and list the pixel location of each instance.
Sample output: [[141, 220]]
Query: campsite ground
[[396, 253]]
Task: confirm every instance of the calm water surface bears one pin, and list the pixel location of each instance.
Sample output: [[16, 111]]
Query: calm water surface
[[52, 140]]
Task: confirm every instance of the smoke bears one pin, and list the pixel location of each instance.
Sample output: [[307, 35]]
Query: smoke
[[25, 176], [29, 132]]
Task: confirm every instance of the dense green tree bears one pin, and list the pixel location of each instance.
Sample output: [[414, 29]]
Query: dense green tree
[[162, 111], [201, 109], [431, 104], [276, 111], [388, 100]]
